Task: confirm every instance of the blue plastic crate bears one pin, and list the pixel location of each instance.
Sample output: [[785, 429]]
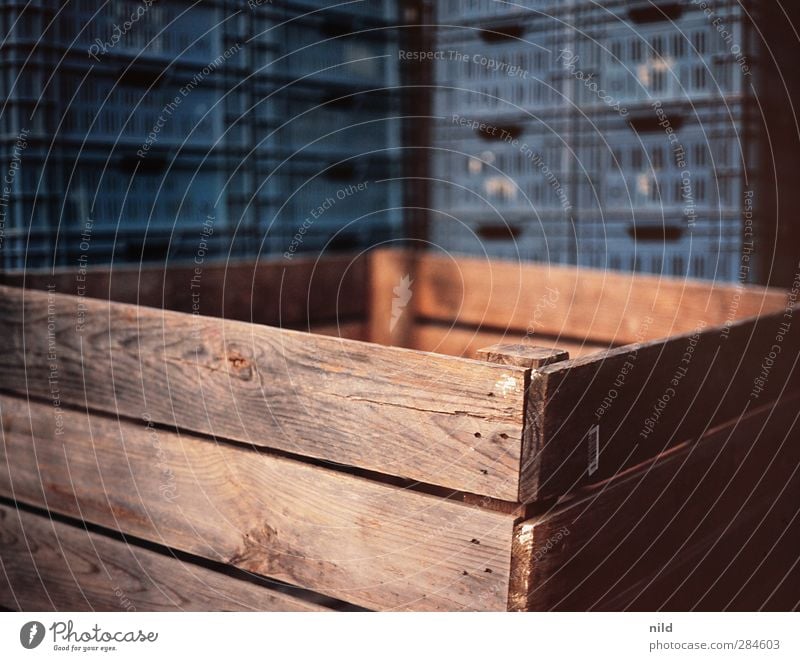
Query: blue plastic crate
[[489, 71], [449, 12], [342, 52], [672, 53], [519, 168], [330, 122]]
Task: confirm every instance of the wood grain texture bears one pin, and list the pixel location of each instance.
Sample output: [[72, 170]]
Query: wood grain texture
[[644, 398], [711, 525], [522, 355], [440, 420], [347, 537], [602, 306], [466, 342], [52, 566], [274, 291]]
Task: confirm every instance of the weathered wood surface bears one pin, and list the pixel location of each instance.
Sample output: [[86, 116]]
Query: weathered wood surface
[[466, 342], [49, 565], [440, 420], [522, 355], [278, 292], [644, 398], [347, 537], [712, 524], [602, 306]]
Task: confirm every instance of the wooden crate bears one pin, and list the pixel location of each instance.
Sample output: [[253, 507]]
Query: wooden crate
[[521, 437]]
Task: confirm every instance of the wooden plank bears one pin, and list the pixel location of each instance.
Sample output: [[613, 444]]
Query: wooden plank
[[522, 355], [349, 330], [435, 419], [366, 543], [628, 404], [272, 291], [621, 538], [391, 307], [465, 342], [48, 565], [602, 306]]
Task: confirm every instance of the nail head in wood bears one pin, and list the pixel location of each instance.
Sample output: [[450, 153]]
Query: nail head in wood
[[522, 355]]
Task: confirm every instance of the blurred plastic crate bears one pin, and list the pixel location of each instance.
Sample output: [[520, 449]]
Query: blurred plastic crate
[[521, 167], [385, 10], [457, 11], [353, 201], [492, 70], [331, 122], [635, 165], [162, 29], [668, 249], [549, 240], [146, 112], [327, 51], [662, 50]]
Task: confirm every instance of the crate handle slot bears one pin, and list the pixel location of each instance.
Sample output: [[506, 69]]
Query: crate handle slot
[[337, 27], [655, 13], [500, 132], [495, 232], [340, 172], [497, 33], [656, 232], [153, 164], [142, 76], [652, 124]]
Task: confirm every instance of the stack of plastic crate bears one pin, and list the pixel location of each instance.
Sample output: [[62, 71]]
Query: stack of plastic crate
[[135, 113], [668, 149], [339, 135], [643, 111], [501, 167]]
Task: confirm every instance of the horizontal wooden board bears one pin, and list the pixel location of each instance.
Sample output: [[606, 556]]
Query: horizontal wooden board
[[459, 341], [277, 291], [690, 528], [48, 565], [436, 419], [601, 306], [348, 330], [347, 537], [626, 405]]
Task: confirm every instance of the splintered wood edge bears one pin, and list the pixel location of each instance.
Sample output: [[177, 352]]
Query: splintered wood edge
[[531, 357], [520, 582]]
